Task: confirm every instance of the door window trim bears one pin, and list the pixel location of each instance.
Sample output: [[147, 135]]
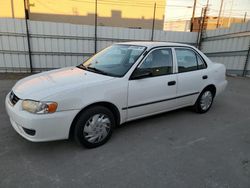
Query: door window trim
[[174, 69]]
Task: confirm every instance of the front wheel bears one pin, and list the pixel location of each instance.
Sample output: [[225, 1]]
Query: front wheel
[[94, 126], [204, 101]]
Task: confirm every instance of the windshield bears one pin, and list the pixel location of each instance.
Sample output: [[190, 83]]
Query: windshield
[[115, 60]]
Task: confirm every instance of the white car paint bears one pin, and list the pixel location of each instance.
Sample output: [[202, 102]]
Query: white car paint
[[74, 89]]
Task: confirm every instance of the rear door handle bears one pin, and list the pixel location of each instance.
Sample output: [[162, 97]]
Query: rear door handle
[[171, 83], [204, 77]]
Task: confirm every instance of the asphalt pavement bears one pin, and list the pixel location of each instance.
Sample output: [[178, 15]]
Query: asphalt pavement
[[177, 149]]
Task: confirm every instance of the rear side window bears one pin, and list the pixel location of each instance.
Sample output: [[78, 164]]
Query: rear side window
[[188, 60], [159, 62], [201, 63]]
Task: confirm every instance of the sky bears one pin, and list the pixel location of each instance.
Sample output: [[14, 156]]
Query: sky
[[239, 7]]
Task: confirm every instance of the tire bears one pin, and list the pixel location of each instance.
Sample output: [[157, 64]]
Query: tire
[[204, 101], [94, 127]]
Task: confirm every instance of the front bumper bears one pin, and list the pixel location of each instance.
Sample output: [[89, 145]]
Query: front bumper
[[47, 127]]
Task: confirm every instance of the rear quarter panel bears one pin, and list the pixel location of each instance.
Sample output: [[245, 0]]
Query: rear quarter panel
[[217, 76]]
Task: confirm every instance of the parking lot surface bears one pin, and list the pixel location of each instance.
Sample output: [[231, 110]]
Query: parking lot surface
[[175, 149]]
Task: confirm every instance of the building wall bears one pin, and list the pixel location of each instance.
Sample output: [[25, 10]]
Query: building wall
[[129, 13], [182, 25], [211, 22]]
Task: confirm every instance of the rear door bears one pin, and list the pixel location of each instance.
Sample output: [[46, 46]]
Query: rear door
[[191, 76]]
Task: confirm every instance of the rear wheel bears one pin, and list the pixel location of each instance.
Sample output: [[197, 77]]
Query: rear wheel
[[94, 126], [204, 101]]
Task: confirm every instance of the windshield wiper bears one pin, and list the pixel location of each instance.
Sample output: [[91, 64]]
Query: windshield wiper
[[93, 69], [82, 66]]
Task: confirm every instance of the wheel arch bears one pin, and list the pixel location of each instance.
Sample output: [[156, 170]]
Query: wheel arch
[[212, 87], [108, 105]]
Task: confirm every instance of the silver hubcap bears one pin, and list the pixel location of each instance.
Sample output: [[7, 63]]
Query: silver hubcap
[[96, 128], [206, 100]]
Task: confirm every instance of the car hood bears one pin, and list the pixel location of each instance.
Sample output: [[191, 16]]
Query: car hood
[[45, 84]]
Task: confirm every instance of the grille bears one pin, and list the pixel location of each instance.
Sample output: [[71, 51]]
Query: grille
[[13, 98]]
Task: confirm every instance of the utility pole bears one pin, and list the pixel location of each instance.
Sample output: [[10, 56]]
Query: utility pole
[[207, 4], [204, 18], [245, 16], [193, 14], [218, 20], [153, 25], [199, 29], [27, 9], [95, 26], [201, 24], [12, 9], [230, 14], [204, 11]]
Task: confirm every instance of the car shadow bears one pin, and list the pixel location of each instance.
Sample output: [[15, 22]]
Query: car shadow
[[70, 144]]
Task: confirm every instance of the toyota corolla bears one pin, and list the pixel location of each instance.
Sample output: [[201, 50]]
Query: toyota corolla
[[123, 82]]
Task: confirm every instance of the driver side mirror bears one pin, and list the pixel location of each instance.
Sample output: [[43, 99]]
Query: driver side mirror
[[140, 74]]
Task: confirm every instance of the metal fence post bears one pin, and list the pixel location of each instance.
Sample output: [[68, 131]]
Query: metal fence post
[[95, 26], [246, 62], [26, 9], [153, 25]]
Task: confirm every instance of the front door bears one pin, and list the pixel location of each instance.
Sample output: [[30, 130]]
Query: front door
[[157, 91]]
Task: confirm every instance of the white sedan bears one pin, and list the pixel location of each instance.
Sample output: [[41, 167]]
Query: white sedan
[[123, 82]]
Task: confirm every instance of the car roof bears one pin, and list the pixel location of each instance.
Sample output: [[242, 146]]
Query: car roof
[[150, 44]]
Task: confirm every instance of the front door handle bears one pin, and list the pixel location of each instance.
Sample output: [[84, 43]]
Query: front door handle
[[204, 77], [171, 83]]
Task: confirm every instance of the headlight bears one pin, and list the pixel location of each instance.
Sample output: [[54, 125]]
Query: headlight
[[39, 107]]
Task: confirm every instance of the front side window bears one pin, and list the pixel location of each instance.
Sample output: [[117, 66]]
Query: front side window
[[158, 62], [188, 60], [115, 60]]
